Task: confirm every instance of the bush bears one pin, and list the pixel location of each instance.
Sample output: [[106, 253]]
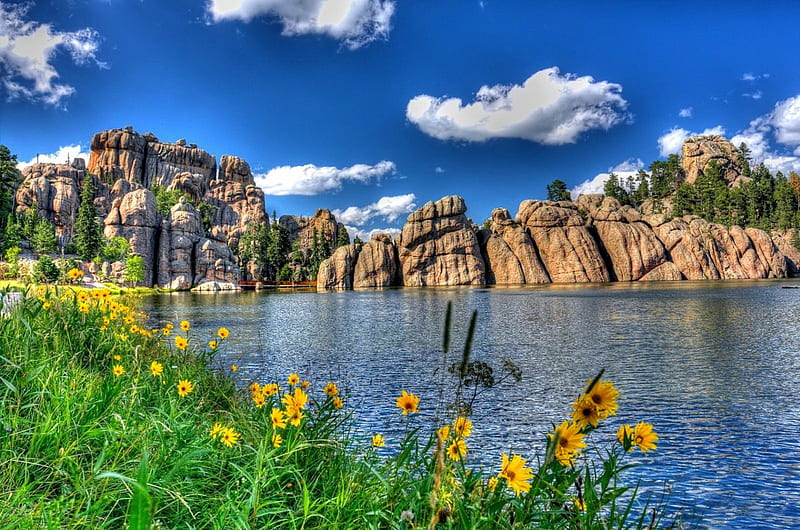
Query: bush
[[116, 249], [45, 270]]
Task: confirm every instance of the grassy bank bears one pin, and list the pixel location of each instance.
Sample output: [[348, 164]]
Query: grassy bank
[[109, 424]]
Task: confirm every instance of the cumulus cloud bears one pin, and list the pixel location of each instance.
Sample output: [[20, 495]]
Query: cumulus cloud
[[387, 208], [313, 180], [28, 50], [753, 95], [786, 121], [671, 142], [65, 153], [685, 113], [623, 170], [439, 170], [783, 123], [354, 22], [366, 235], [548, 108]]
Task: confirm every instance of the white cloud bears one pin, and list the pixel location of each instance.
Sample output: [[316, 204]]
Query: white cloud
[[749, 76], [686, 113], [366, 235], [27, 52], [64, 153], [355, 22], [313, 180], [388, 208], [753, 95], [672, 141], [786, 121], [597, 184], [439, 170], [548, 108]]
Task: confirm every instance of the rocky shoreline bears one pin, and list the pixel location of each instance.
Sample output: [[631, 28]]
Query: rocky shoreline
[[591, 240]]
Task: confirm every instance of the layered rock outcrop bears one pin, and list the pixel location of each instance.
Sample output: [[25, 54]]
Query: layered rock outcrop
[[437, 246], [136, 218], [522, 265]]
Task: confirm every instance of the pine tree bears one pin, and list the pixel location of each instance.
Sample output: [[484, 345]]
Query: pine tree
[[557, 191], [343, 238], [89, 238], [43, 239]]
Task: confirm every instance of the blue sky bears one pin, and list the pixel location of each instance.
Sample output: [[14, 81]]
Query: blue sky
[[373, 107]]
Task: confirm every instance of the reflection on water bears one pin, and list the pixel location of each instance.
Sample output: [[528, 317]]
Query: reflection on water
[[714, 365]]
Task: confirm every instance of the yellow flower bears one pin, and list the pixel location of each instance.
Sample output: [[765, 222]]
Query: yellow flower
[[223, 333], [457, 449], [579, 504], [604, 396], [118, 370], [277, 440], [255, 387], [83, 296], [492, 484], [443, 432], [569, 441], [156, 368], [185, 387], [462, 427], [168, 325], [212, 344], [167, 331], [408, 402], [644, 437], [83, 308], [117, 357], [229, 437], [216, 430], [293, 379], [295, 416], [181, 342], [259, 400], [270, 389], [625, 437], [47, 305], [278, 419], [234, 368], [337, 402], [185, 325], [74, 274], [134, 329], [516, 474], [586, 412], [378, 441], [297, 400], [305, 384], [128, 319], [331, 389]]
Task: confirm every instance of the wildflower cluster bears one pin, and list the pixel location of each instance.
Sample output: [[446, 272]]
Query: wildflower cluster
[[226, 435]]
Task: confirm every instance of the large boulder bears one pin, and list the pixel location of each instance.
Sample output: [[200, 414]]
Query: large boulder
[[769, 253], [688, 252], [215, 263], [632, 246], [438, 246], [502, 265], [136, 218], [521, 245], [377, 263], [336, 272], [567, 248], [698, 152]]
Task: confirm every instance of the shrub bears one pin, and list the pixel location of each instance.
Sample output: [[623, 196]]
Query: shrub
[[45, 270]]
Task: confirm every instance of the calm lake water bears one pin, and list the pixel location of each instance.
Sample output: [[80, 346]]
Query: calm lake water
[[715, 366]]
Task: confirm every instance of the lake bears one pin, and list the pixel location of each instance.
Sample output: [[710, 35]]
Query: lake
[[715, 366]]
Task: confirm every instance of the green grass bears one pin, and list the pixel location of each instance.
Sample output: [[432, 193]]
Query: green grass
[[82, 447]]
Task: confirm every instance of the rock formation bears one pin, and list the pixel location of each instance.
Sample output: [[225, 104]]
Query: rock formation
[[377, 263], [509, 234], [438, 246], [136, 218], [568, 250], [302, 229], [336, 272], [700, 151]]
